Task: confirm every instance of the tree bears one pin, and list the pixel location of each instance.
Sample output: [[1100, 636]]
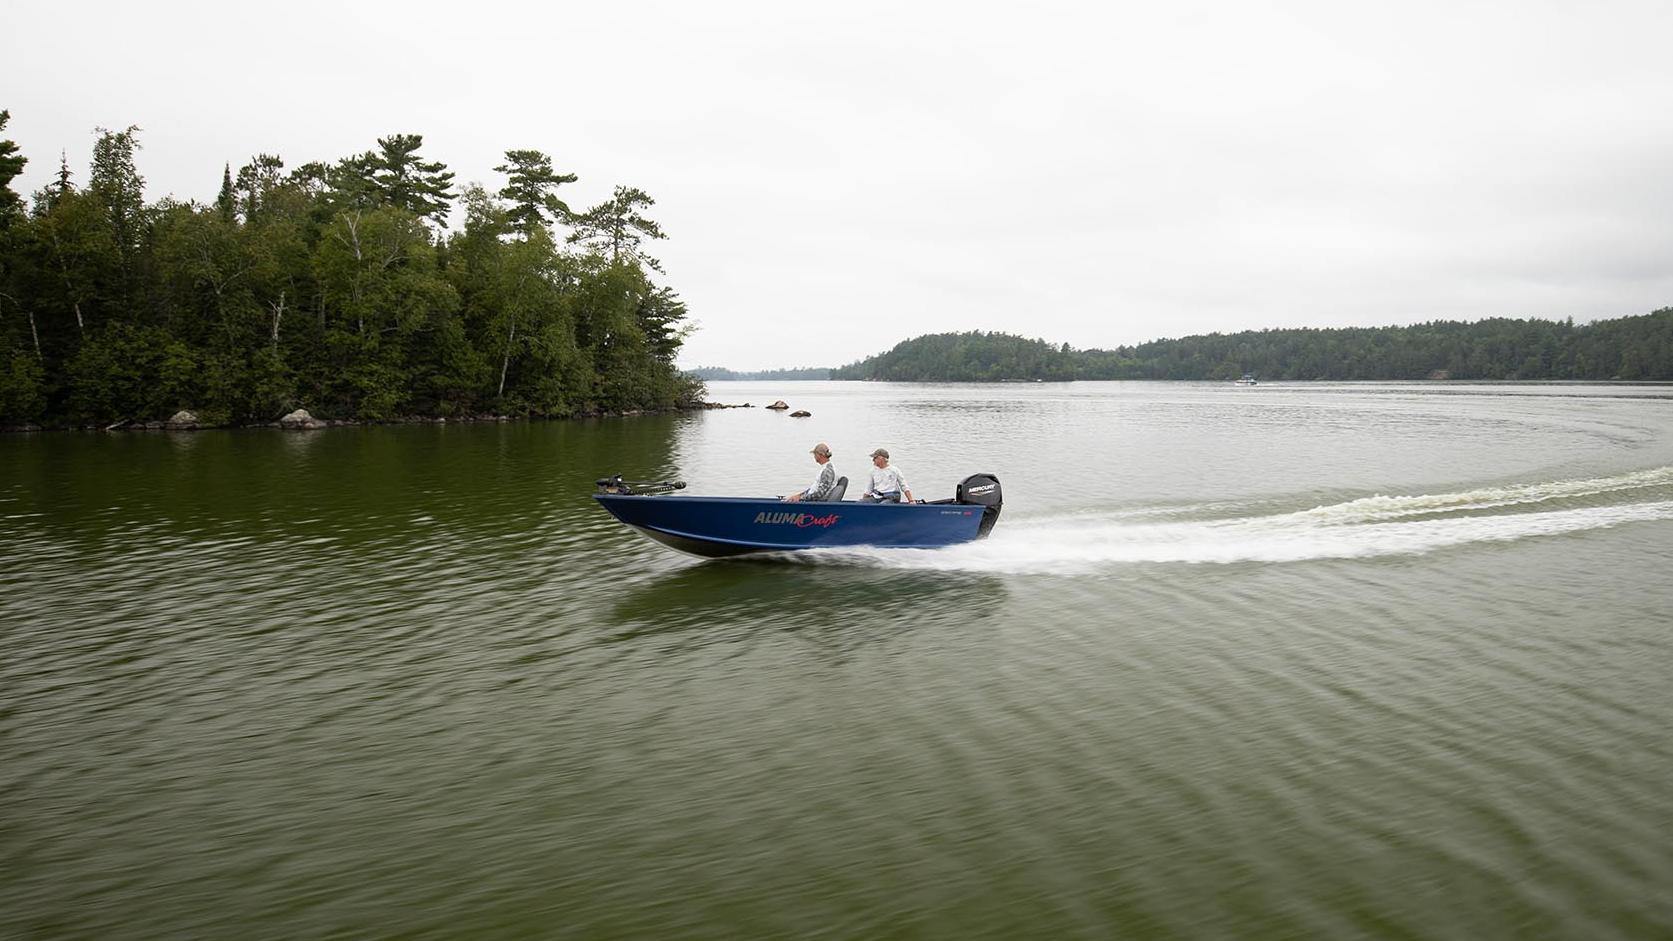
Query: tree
[[224, 203], [312, 178], [527, 291], [607, 328], [278, 247], [377, 271], [210, 269], [21, 381], [351, 183], [116, 184], [11, 164], [616, 226], [406, 182], [256, 182], [359, 263], [660, 312], [531, 187], [79, 248], [61, 183]]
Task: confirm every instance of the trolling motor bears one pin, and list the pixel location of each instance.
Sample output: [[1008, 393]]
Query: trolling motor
[[641, 488]]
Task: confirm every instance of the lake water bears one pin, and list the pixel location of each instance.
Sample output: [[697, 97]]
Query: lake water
[[1356, 660]]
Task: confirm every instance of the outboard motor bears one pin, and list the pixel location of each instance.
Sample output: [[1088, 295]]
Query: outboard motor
[[981, 490]]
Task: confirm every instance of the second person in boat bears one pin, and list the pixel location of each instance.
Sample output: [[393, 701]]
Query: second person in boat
[[888, 485]]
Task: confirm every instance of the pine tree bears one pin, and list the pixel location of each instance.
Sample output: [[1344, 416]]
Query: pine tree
[[617, 227], [224, 202], [422, 188], [660, 312], [61, 184], [530, 187], [11, 164], [352, 182]]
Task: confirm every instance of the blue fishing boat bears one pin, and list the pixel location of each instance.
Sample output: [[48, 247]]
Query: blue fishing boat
[[726, 526]]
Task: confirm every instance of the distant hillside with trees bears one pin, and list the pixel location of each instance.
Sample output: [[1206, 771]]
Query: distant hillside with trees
[[966, 357], [1627, 348], [331, 286], [722, 374]]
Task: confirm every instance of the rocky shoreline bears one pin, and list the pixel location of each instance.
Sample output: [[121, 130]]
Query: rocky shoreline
[[302, 420]]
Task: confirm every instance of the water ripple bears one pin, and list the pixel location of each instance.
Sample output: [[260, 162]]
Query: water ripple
[[399, 681]]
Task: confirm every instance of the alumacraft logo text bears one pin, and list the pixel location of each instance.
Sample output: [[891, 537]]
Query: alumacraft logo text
[[797, 519]]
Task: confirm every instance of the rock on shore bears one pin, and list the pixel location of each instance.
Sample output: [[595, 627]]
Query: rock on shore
[[300, 420]]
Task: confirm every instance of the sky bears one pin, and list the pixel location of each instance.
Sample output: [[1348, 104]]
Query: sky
[[837, 178]]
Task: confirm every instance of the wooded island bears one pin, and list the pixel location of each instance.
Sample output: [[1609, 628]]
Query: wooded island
[[1628, 348], [332, 286]]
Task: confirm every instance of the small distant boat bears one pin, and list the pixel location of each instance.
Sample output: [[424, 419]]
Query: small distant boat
[[1247, 380], [716, 527]]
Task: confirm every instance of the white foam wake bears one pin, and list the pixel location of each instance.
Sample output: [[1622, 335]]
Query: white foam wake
[[1369, 527], [1372, 509]]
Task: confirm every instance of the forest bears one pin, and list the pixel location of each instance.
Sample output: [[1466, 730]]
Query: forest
[[1638, 348], [340, 287]]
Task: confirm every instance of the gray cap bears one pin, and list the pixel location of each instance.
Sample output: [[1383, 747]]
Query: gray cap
[[822, 448], [882, 453]]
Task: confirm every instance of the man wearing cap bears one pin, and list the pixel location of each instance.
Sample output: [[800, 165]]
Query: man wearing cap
[[887, 483], [825, 482]]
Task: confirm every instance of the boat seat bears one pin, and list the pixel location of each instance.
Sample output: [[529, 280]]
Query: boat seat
[[837, 491]]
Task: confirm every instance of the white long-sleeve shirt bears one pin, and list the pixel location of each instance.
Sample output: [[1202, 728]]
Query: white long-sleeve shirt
[[887, 480]]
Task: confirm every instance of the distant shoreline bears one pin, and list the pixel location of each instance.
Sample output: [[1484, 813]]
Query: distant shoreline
[[1455, 382], [1632, 349]]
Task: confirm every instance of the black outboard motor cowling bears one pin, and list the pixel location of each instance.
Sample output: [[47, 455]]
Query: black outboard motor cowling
[[981, 490]]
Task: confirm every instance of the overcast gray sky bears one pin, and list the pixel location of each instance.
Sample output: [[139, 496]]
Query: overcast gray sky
[[836, 178]]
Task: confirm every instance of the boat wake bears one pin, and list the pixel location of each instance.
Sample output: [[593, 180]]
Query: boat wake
[[1369, 527]]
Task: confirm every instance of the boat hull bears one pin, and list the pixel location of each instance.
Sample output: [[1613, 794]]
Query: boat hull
[[726, 526]]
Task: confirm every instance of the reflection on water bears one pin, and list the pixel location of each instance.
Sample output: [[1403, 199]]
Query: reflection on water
[[833, 607], [1290, 661]]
